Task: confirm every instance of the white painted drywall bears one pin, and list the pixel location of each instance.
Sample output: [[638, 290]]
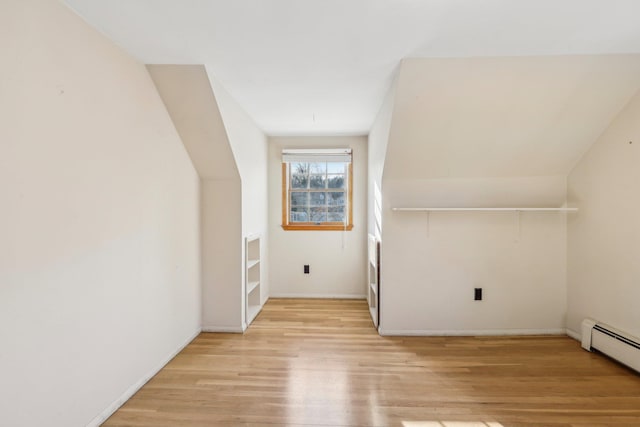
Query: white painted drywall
[[221, 255], [335, 270], [99, 225], [187, 93], [432, 263], [249, 146], [604, 237], [377, 145], [188, 96], [487, 132]]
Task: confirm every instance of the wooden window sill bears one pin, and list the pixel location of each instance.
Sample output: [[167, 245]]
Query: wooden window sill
[[317, 227]]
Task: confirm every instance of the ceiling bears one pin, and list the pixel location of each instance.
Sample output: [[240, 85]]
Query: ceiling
[[309, 67]]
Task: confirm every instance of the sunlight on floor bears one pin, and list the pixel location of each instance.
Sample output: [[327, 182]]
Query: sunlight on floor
[[311, 386], [450, 424]]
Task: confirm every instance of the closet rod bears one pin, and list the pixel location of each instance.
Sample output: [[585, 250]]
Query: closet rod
[[485, 209]]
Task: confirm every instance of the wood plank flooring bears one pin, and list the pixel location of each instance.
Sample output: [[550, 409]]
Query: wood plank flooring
[[321, 363]]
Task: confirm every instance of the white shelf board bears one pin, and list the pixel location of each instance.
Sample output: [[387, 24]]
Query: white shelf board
[[373, 288], [373, 312], [252, 237], [252, 312], [251, 286], [398, 209], [252, 263]]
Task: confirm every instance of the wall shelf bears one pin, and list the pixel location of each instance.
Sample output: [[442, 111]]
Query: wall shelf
[[252, 286], [517, 210], [398, 209]]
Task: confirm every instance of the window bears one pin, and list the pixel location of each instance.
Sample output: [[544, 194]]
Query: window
[[317, 189]]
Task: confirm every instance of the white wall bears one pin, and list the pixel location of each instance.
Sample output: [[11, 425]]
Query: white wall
[[431, 265], [187, 93], [480, 132], [335, 271], [221, 255], [249, 146], [604, 237], [377, 145], [99, 226]]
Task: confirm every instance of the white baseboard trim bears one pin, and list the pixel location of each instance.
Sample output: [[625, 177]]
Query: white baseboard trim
[[109, 410], [320, 296], [224, 329], [468, 332], [573, 334]]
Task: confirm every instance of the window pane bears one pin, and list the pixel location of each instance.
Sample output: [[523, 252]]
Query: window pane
[[318, 214], [320, 168], [336, 214], [333, 167], [336, 181], [299, 181], [299, 214], [318, 181], [336, 198], [317, 194], [299, 168], [299, 198], [318, 199]]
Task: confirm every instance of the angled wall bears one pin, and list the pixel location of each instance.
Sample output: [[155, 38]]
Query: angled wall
[[99, 226], [488, 132], [230, 154], [249, 146], [604, 237], [191, 103], [377, 145]]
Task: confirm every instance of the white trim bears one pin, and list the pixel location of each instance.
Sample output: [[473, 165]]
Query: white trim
[[468, 332], [320, 296], [113, 407], [573, 334], [224, 329]]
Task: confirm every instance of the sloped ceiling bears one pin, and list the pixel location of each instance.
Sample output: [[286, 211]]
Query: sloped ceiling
[[188, 96], [324, 66], [502, 117]]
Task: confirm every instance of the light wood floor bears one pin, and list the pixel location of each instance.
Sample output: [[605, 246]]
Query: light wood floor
[[320, 363]]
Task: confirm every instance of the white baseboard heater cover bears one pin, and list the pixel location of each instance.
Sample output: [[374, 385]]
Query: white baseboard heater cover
[[614, 343]]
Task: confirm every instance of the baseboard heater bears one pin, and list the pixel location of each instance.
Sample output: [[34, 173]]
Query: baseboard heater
[[610, 341]]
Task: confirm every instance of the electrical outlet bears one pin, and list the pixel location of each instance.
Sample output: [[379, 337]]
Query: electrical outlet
[[477, 294], [306, 269]]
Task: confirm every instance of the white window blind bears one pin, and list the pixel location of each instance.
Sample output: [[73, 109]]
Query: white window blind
[[342, 155]]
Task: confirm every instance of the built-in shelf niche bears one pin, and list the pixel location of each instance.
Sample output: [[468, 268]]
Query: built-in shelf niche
[[253, 298], [373, 274]]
